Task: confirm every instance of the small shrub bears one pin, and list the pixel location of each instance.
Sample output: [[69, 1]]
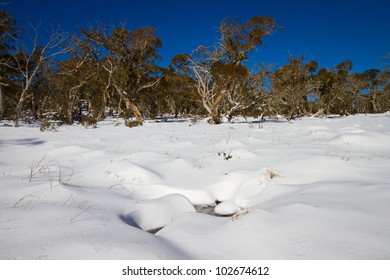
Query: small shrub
[[87, 121], [39, 167], [255, 126], [47, 126], [132, 124], [225, 156], [195, 120], [271, 175]]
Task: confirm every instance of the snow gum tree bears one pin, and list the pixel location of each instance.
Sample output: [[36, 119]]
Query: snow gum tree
[[200, 63], [27, 62], [291, 85], [339, 90], [176, 90], [378, 87], [111, 70], [74, 76], [77, 73], [130, 61], [239, 39], [220, 74]]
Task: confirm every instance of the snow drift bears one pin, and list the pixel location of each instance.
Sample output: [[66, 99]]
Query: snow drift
[[308, 189]]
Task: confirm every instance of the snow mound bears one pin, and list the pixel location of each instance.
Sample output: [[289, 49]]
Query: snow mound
[[226, 208], [311, 189], [157, 213], [362, 142]]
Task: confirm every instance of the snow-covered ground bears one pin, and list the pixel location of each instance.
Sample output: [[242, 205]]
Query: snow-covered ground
[[307, 189]]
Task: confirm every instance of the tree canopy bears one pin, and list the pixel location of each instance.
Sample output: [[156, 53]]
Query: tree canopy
[[110, 70]]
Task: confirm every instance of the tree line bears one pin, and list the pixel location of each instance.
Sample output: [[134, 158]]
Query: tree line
[[106, 70]]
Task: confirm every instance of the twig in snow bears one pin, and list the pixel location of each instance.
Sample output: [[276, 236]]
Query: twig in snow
[[39, 167], [30, 196]]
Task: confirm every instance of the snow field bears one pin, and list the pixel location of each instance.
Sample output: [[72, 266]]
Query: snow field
[[308, 189]]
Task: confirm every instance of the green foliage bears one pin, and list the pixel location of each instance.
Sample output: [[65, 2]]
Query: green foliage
[[291, 85], [239, 39], [377, 99], [342, 92]]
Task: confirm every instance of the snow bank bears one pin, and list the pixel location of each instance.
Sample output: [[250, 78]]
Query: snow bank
[[157, 213], [308, 189], [226, 208]]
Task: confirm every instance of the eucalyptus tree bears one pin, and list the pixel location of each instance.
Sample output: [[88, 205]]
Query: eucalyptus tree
[[220, 74], [331, 87], [291, 86], [378, 90], [27, 60], [340, 90], [130, 61], [200, 63], [77, 73], [180, 95]]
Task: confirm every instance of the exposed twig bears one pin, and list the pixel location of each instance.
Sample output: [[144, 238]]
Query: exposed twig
[[31, 196], [39, 167]]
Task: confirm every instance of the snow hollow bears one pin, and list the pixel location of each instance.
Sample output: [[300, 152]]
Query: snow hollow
[[307, 189]]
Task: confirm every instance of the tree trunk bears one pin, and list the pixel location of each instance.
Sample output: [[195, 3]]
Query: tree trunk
[[69, 110], [18, 111], [131, 106], [176, 112], [19, 106], [374, 103], [41, 108], [34, 108], [262, 116], [101, 115], [69, 113], [119, 111], [216, 118], [319, 113], [2, 110]]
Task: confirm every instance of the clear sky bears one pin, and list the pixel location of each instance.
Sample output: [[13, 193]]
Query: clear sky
[[328, 31]]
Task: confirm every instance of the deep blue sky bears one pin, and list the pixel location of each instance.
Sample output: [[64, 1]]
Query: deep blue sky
[[328, 31]]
